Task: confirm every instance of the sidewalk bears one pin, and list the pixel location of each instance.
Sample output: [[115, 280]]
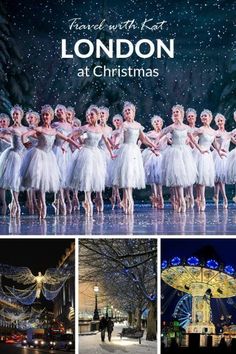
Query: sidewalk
[[93, 345]]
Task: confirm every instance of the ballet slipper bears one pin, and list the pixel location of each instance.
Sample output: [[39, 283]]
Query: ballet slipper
[[18, 211], [225, 204], [202, 205], [55, 207], [69, 207], [85, 205], [112, 200], [216, 200], [12, 208], [152, 198]]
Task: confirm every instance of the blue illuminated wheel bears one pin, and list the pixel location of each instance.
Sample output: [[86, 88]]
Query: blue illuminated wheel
[[183, 311]]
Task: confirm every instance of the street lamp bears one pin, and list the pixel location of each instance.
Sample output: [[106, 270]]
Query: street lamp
[[96, 315]]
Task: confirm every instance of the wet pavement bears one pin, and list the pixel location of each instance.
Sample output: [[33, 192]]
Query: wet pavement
[[145, 221]]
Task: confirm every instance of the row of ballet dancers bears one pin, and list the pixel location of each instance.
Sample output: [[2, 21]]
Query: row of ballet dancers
[[64, 157]]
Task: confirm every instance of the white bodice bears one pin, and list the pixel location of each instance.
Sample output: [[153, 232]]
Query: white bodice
[[223, 142], [131, 135], [179, 136], [17, 144], [58, 141], [206, 140], [45, 142], [92, 139]]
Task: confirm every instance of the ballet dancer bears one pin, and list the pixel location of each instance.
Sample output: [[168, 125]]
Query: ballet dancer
[[129, 171], [11, 159], [5, 143], [62, 202], [204, 161], [178, 166], [88, 170], [231, 163], [40, 171], [115, 141], [191, 116], [153, 162], [33, 119], [107, 131]]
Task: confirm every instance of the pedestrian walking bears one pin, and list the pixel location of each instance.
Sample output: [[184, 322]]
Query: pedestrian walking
[[102, 328], [110, 326]]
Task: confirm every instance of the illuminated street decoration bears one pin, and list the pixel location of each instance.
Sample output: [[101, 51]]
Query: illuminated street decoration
[[48, 284], [202, 281]]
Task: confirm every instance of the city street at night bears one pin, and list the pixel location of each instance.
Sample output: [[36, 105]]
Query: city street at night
[[18, 349]]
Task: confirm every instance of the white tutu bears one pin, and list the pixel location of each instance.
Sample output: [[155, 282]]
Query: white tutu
[[63, 160], [231, 167], [88, 170], [128, 169], [220, 167], [10, 164], [39, 169], [178, 166], [152, 167], [107, 160], [205, 168]]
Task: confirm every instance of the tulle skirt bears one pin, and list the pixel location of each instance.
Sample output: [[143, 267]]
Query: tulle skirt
[[205, 168], [10, 165], [152, 167], [63, 161], [128, 168], [107, 160], [88, 170], [231, 167], [178, 166], [220, 167], [40, 171]]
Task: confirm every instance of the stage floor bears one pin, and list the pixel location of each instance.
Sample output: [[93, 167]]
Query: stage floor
[[145, 221]]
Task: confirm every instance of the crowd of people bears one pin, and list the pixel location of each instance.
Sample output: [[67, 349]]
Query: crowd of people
[[66, 157]]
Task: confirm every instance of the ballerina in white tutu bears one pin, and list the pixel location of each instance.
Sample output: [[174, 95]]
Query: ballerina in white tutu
[[116, 139], [129, 171], [11, 159], [107, 131], [40, 171], [75, 123], [5, 143], [153, 162], [33, 119], [191, 116], [205, 164], [88, 170], [231, 163], [62, 202], [178, 166], [223, 139]]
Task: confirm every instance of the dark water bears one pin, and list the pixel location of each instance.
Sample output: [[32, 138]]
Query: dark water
[[145, 221]]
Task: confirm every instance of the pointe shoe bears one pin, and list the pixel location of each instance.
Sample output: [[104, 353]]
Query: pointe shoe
[[112, 200], [18, 211], [216, 200], [63, 208], [191, 203], [225, 204], [12, 208], [86, 207], [203, 206], [153, 200], [55, 207], [69, 208]]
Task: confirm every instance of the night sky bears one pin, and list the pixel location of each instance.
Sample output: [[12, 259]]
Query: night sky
[[38, 255], [204, 41], [225, 248]]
